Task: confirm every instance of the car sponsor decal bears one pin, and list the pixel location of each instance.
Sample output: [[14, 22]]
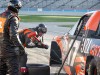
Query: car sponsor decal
[[71, 57], [86, 45], [95, 50]]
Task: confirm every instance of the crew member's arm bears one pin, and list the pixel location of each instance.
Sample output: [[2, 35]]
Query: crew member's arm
[[29, 43], [37, 41], [41, 45], [14, 24]]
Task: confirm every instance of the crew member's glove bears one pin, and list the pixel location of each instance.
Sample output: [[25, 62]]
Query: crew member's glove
[[41, 45], [19, 50], [16, 49], [46, 46]]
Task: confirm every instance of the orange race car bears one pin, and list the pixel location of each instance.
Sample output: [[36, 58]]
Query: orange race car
[[79, 50]]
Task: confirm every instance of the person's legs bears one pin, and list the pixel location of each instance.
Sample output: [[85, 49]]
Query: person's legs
[[3, 67], [23, 67], [13, 65], [23, 60]]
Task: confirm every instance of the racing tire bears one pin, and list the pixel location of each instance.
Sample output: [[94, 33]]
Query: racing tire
[[55, 54], [38, 69], [93, 68]]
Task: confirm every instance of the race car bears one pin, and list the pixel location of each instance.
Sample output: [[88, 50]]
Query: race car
[[79, 49]]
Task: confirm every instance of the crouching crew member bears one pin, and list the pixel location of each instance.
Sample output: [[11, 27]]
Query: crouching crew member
[[29, 39]]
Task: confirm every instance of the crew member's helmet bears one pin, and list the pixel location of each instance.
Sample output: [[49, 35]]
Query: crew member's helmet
[[41, 28], [15, 5]]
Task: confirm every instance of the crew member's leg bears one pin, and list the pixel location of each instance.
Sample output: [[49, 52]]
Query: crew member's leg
[[3, 67], [23, 60], [13, 65]]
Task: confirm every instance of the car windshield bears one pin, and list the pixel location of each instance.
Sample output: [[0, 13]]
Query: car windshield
[[72, 30]]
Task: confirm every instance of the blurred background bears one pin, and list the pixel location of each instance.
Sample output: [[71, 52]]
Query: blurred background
[[55, 7]]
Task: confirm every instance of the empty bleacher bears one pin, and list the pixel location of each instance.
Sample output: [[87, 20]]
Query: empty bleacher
[[57, 4], [97, 6]]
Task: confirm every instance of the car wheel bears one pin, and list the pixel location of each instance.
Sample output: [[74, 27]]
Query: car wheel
[[38, 69], [93, 68], [55, 54]]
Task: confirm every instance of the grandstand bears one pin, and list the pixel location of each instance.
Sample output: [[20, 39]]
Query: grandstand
[[55, 7], [57, 4]]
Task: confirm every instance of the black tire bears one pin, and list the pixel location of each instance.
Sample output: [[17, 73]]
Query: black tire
[[55, 54], [93, 68], [38, 69]]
